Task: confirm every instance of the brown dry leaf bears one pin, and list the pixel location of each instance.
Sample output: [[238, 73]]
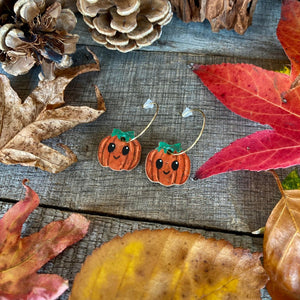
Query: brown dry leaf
[[23, 125], [282, 247], [168, 264]]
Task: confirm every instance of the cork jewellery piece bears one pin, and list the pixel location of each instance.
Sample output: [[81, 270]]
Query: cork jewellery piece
[[121, 150], [168, 164]]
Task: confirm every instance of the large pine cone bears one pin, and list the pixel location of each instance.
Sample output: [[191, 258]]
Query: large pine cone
[[125, 25], [35, 32]]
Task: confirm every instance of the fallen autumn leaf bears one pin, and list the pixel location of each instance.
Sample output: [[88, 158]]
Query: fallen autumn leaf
[[288, 32], [168, 264], [262, 96], [23, 125], [282, 246], [20, 258]]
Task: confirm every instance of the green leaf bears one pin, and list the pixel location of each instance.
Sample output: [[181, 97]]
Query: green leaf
[[292, 181]]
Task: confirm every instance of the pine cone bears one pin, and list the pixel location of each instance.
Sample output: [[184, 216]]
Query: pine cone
[[71, 4], [125, 25], [33, 32]]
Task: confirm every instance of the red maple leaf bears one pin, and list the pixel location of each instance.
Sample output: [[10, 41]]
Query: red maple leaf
[[263, 96], [288, 33], [20, 258]]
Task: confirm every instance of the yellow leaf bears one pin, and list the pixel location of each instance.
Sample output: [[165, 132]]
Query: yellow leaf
[[168, 264], [285, 70]]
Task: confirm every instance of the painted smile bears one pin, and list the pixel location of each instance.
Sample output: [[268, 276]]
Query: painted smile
[[166, 173], [116, 157]]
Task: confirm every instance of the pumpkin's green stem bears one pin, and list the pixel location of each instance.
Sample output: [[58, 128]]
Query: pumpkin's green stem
[[169, 148], [127, 136]]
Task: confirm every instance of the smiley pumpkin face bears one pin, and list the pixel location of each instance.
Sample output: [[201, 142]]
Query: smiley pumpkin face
[[167, 169], [118, 152]]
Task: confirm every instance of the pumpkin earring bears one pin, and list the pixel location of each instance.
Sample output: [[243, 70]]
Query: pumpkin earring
[[168, 164], [121, 150]]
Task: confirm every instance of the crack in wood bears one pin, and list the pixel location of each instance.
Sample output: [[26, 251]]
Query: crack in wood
[[136, 219]]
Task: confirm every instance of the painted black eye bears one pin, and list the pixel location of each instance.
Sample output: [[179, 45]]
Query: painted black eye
[[175, 165], [125, 150], [111, 147], [159, 164]]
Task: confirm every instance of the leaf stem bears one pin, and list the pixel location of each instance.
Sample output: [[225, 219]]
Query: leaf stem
[[277, 181]]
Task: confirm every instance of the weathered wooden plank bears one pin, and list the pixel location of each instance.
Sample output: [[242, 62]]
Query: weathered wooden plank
[[103, 229], [259, 41], [235, 201]]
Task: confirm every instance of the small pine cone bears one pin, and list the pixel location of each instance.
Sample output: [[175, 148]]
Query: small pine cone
[[125, 25], [33, 32]]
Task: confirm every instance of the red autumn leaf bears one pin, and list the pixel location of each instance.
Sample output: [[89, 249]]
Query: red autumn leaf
[[263, 96], [20, 258], [288, 33], [253, 93], [259, 151]]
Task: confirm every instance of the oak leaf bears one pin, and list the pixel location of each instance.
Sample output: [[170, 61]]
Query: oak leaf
[[20, 258], [282, 247], [262, 96], [23, 125], [168, 264]]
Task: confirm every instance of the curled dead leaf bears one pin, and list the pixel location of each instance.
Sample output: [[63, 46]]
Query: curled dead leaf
[[168, 264], [23, 125], [282, 247]]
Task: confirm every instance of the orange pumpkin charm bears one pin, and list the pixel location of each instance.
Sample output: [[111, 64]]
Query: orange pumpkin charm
[[118, 152], [165, 168]]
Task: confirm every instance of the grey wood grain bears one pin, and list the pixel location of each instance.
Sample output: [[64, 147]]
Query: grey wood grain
[[103, 229], [239, 201], [259, 41], [120, 202]]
